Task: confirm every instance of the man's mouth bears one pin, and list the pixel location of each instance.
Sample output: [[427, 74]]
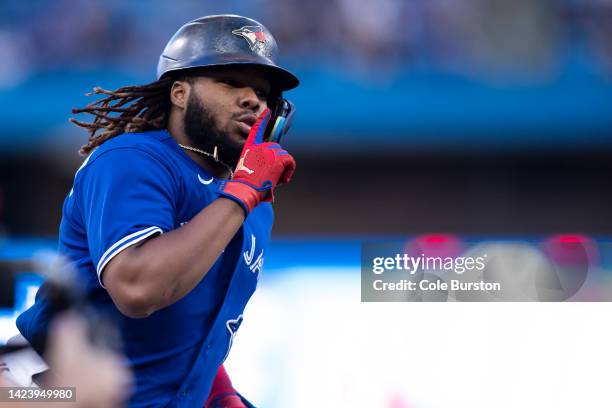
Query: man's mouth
[[245, 122]]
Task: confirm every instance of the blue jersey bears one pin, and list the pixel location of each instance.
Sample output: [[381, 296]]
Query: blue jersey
[[131, 188]]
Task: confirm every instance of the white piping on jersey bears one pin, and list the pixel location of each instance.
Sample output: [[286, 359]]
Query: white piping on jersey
[[77, 172], [123, 243]]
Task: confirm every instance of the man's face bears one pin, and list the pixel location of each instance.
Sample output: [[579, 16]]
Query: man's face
[[222, 107]]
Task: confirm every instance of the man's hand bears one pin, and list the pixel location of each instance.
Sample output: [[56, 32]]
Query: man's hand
[[262, 166], [101, 378]]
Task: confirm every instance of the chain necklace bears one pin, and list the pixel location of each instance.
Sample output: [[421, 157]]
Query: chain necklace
[[214, 155]]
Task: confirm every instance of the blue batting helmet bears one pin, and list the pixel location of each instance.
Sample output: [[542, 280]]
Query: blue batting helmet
[[224, 40]]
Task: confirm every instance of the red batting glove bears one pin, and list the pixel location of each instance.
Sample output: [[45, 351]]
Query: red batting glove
[[222, 393], [262, 166], [228, 401]]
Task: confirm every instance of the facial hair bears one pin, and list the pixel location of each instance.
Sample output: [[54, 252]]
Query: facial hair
[[204, 133]]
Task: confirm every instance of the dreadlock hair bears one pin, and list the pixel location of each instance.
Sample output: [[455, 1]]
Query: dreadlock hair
[[128, 109]]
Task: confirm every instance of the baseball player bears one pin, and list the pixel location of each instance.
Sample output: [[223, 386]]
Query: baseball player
[[170, 214]]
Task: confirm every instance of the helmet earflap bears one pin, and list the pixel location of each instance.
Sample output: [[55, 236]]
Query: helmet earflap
[[281, 120]]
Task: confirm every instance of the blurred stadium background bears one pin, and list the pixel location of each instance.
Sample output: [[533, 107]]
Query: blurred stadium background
[[486, 118]]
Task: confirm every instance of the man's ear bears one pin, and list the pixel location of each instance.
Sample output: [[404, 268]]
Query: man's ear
[[179, 93]]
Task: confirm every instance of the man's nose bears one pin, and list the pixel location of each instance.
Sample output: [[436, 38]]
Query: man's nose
[[249, 99]]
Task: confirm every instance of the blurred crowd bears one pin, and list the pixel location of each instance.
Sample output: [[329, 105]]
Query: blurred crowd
[[469, 36]]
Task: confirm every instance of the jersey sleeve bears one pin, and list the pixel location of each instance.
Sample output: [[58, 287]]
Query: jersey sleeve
[[126, 196]]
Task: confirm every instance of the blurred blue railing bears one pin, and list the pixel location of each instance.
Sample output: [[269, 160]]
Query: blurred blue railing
[[414, 110]]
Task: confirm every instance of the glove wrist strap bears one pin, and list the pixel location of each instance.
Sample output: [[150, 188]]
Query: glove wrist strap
[[243, 194]]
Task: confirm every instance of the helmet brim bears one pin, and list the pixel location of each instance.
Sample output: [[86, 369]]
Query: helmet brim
[[280, 78]]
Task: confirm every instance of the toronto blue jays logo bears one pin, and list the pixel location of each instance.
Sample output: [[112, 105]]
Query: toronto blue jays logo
[[232, 327], [256, 37]]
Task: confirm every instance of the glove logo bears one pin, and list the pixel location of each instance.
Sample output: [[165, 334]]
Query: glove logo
[[256, 37], [241, 165]]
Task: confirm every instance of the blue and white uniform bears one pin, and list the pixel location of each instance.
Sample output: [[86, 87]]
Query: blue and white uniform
[[131, 188]]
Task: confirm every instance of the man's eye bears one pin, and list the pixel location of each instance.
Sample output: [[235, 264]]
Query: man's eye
[[261, 94], [229, 82]]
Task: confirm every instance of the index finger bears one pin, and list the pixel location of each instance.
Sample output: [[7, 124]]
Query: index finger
[[256, 135]]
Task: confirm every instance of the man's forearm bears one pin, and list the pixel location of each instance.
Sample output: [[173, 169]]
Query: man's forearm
[[161, 271]]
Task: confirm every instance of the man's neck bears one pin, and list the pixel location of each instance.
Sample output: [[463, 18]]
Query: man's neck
[[207, 163]]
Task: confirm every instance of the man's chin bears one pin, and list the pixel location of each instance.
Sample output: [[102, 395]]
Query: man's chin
[[238, 139], [232, 150]]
